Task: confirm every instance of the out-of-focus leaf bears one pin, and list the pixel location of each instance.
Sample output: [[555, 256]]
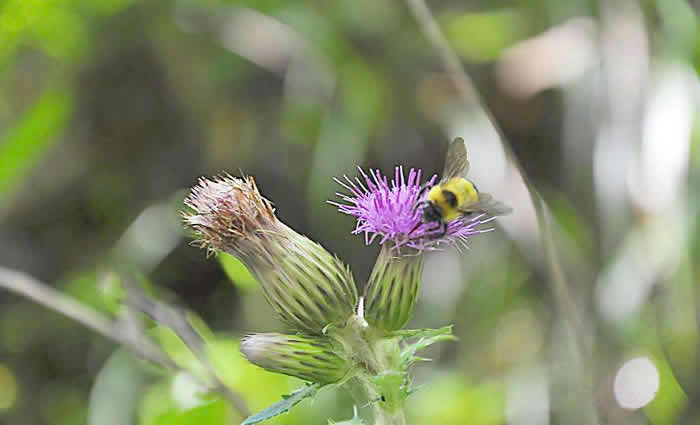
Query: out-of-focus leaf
[[300, 121], [19, 329], [8, 387], [675, 308], [201, 327], [187, 393], [159, 408], [572, 223], [482, 36], [61, 404], [22, 146], [371, 19], [61, 33], [315, 29], [107, 7], [680, 24], [670, 398], [237, 272], [115, 394], [155, 404], [451, 397], [15, 17], [364, 92], [214, 413], [258, 387], [102, 291], [178, 351], [344, 137], [150, 237], [282, 406]]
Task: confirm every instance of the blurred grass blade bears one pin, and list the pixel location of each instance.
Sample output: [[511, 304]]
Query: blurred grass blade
[[282, 406], [22, 146]]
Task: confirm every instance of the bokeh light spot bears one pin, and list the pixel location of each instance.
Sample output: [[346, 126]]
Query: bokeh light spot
[[636, 383]]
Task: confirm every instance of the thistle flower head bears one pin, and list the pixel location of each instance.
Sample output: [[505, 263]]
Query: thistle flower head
[[308, 287], [387, 210], [307, 357], [228, 211]]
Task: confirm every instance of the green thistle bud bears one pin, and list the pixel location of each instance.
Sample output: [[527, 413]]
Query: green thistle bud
[[392, 290], [309, 358], [308, 287]]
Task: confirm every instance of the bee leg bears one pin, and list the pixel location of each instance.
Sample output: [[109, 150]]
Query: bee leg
[[414, 228], [423, 188], [419, 204], [430, 233], [443, 229], [421, 191]]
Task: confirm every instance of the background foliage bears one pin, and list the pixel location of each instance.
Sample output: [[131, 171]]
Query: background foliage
[[111, 109]]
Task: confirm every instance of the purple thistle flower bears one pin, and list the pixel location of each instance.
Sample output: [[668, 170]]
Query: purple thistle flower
[[387, 210]]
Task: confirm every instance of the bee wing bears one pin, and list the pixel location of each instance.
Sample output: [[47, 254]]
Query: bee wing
[[456, 163], [486, 204]]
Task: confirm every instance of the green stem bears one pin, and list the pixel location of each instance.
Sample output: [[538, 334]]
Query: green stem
[[384, 417], [382, 379]]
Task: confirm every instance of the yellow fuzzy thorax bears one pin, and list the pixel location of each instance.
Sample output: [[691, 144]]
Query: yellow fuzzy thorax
[[465, 194]]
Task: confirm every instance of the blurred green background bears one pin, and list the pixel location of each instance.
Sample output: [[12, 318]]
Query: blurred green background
[[111, 109]]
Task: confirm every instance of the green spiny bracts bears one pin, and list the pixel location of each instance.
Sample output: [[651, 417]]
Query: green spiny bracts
[[392, 290], [308, 287], [309, 358]]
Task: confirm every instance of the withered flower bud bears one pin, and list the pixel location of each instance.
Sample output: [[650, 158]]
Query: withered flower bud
[[308, 287]]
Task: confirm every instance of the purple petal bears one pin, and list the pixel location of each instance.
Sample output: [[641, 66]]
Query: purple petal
[[386, 210]]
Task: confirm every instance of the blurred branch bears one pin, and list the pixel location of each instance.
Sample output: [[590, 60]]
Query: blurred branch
[[124, 332], [470, 96], [25, 285], [164, 314], [176, 319], [449, 59]]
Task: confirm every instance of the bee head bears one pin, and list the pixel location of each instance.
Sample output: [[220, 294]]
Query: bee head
[[431, 212]]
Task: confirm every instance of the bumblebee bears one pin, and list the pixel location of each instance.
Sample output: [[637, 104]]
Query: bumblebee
[[454, 196]]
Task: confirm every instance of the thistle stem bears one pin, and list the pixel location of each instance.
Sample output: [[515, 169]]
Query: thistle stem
[[384, 417], [379, 355]]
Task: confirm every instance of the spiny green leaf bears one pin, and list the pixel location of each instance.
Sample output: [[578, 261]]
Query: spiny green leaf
[[422, 333], [427, 337], [288, 401], [22, 146]]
